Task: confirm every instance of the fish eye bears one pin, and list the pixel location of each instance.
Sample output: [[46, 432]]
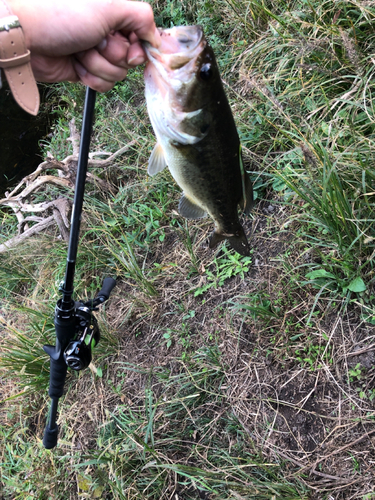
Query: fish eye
[[206, 71]]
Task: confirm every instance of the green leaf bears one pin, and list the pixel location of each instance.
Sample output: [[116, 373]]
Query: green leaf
[[320, 273], [279, 185], [99, 372], [325, 128], [357, 285]]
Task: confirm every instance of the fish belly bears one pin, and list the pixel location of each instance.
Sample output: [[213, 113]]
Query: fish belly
[[204, 184]]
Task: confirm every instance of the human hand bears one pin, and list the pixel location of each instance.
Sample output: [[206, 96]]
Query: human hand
[[92, 41]]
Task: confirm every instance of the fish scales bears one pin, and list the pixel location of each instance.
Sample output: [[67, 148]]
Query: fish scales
[[196, 175], [197, 136]]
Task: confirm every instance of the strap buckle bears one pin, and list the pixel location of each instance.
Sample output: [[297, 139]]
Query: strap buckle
[[9, 23]]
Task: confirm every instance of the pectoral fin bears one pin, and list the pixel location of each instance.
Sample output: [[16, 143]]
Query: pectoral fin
[[157, 162], [189, 209], [247, 199]]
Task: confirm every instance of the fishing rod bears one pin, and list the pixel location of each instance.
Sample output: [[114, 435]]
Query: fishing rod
[[76, 328]]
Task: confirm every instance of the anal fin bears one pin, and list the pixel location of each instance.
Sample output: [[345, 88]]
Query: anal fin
[[189, 209], [215, 239]]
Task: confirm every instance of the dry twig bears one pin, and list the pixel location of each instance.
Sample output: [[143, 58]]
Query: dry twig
[[55, 212]]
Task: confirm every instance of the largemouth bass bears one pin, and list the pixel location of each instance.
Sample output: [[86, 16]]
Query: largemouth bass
[[196, 133]]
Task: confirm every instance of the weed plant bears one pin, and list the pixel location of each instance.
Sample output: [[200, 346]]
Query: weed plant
[[319, 120]]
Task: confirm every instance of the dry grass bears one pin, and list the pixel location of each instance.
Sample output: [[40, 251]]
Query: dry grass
[[308, 413], [308, 418]]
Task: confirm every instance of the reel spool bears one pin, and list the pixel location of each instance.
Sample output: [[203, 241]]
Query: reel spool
[[78, 353]]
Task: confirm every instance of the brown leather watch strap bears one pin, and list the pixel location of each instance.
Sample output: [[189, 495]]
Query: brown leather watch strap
[[15, 61]]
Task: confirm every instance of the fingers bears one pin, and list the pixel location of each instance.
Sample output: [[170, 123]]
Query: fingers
[[122, 51], [136, 55], [99, 68], [81, 44], [51, 69], [95, 82], [95, 63], [102, 67], [114, 47]]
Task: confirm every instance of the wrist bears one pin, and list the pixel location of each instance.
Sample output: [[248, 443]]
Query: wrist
[[15, 60]]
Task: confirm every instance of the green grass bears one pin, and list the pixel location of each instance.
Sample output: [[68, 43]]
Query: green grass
[[311, 85]]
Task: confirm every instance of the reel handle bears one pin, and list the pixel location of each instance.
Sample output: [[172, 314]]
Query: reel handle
[[107, 287]]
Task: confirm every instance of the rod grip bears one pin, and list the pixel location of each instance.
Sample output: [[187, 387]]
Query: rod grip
[[57, 376], [50, 437]]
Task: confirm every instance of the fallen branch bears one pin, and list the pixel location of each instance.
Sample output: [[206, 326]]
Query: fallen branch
[[54, 212], [37, 228], [45, 179]]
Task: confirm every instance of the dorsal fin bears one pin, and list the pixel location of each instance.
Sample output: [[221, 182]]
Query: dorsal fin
[[247, 203]]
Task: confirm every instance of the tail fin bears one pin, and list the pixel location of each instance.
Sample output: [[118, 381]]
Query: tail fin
[[238, 241]]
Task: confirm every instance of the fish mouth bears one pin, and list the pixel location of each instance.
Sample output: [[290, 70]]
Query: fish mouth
[[178, 51]]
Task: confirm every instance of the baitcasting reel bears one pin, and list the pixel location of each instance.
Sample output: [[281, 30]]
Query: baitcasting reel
[[77, 324], [77, 333], [77, 354]]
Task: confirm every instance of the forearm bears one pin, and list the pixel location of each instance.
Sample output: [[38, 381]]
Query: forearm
[[58, 27]]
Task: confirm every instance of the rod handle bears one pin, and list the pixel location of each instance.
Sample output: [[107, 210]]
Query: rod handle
[[50, 437]]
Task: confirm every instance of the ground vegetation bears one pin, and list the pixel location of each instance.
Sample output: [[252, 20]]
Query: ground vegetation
[[217, 376]]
